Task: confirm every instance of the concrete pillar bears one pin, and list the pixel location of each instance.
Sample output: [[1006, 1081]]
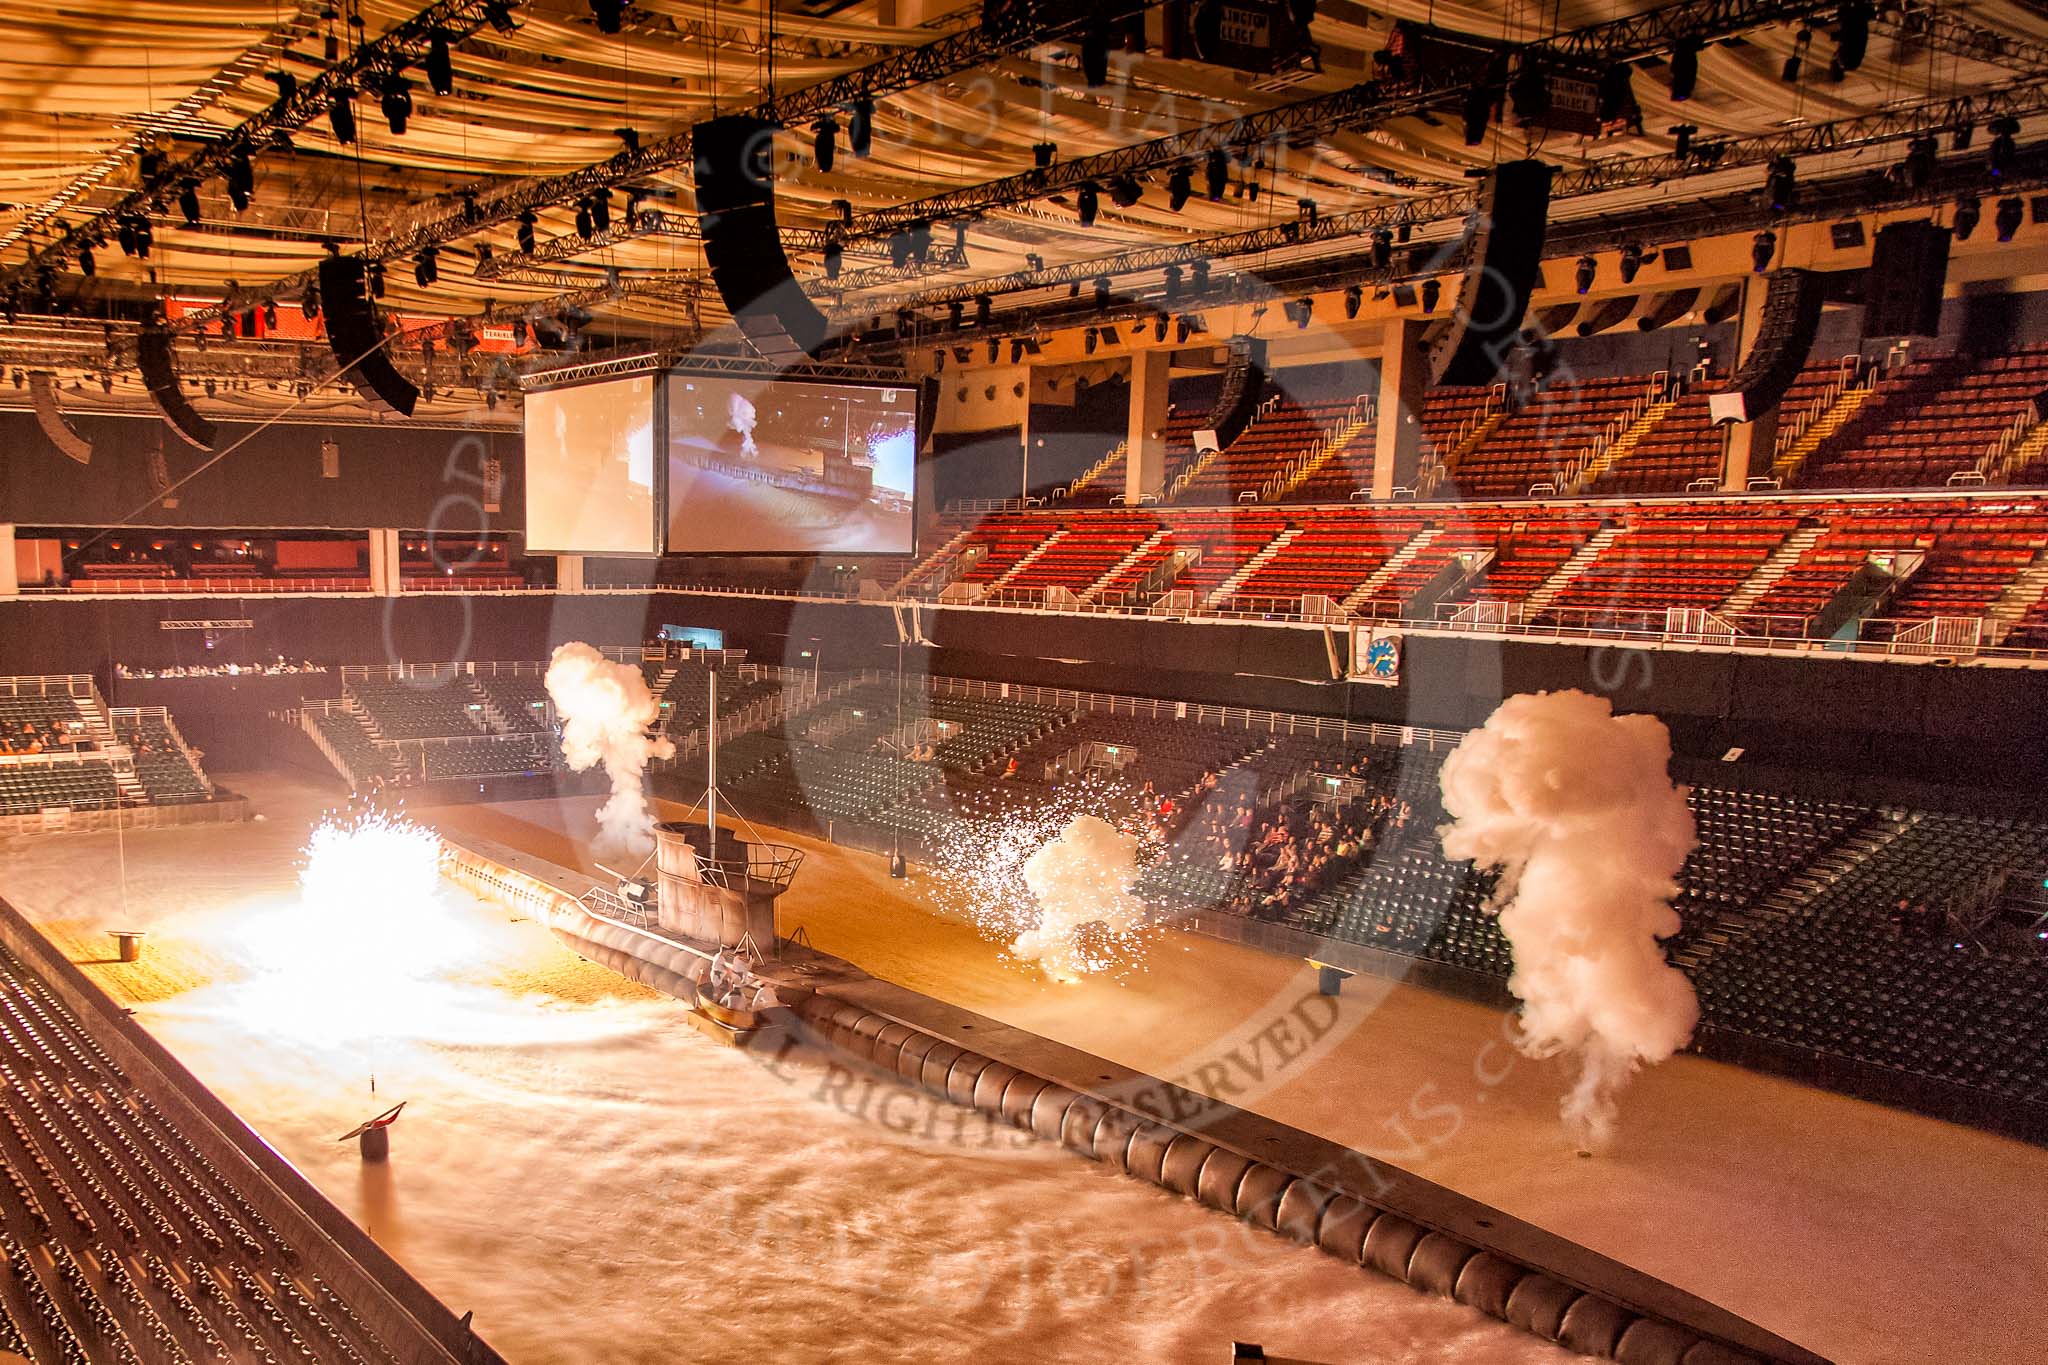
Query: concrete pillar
[[384, 570], [1404, 380], [1749, 446], [569, 573], [10, 577], [1145, 448]]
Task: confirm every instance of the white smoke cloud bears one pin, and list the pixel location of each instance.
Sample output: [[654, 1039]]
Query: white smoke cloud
[[1575, 806], [1081, 878], [739, 415], [606, 712]]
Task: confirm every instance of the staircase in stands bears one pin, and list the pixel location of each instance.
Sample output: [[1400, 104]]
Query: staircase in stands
[[1473, 439], [2023, 594], [1339, 439], [1561, 579], [1788, 462], [1731, 927], [930, 565], [1201, 462], [1115, 570], [1222, 591], [1396, 562], [1098, 469], [1029, 558], [1789, 552], [2022, 454], [1618, 449]]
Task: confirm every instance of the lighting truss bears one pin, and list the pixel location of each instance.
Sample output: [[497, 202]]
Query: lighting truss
[[397, 49]]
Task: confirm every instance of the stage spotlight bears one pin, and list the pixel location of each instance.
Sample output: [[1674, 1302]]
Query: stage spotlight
[[1529, 92], [376, 279], [1682, 134], [1088, 341], [1216, 173], [629, 138], [1042, 153], [1918, 167], [1793, 64], [86, 265], [1432, 290], [1182, 328], [1960, 136], [426, 269], [1307, 210], [1685, 69], [1780, 185], [498, 14], [1582, 278], [309, 301], [1301, 310], [523, 233], [519, 332], [939, 361], [1969, 209], [1201, 280], [341, 115], [1479, 102], [1382, 249], [1762, 247], [1353, 297], [860, 126], [1631, 262], [824, 143], [1095, 55], [188, 202], [287, 86], [610, 14], [270, 314], [984, 310], [584, 227], [1124, 191], [440, 69], [1180, 187], [1852, 34], [1102, 288], [601, 211], [2003, 148], [241, 179], [1159, 328], [994, 350], [1085, 203], [2008, 218], [396, 102]]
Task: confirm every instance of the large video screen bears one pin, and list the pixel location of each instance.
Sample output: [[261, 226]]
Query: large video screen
[[590, 469], [765, 466]]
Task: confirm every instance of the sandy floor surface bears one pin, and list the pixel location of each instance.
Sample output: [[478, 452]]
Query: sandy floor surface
[[599, 1183], [1860, 1232]]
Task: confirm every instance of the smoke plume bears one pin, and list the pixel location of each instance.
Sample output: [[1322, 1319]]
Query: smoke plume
[[606, 711], [739, 415], [1081, 879], [1574, 805]]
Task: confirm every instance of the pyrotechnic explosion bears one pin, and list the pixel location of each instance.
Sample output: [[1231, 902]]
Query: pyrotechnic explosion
[[606, 713], [739, 415], [1575, 806], [1054, 882]]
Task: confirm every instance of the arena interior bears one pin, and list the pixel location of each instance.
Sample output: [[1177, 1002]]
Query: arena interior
[[1023, 681]]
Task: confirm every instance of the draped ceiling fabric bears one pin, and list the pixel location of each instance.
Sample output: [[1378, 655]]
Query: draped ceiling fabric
[[85, 85]]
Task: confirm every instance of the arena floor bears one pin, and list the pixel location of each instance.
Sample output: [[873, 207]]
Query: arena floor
[[566, 1131], [1861, 1232]]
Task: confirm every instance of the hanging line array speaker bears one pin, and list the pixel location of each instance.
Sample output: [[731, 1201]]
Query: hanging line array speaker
[[1506, 261], [160, 376], [353, 335], [1237, 399], [1902, 288], [1784, 338], [736, 220], [42, 390]]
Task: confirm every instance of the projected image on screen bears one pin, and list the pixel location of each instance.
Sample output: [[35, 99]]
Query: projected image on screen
[[768, 467], [590, 468]]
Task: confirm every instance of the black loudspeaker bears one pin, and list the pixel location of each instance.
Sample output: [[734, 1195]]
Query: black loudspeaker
[[736, 218], [42, 389], [927, 412], [353, 335], [1902, 289], [1784, 338], [1244, 383], [153, 350], [1514, 209]]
